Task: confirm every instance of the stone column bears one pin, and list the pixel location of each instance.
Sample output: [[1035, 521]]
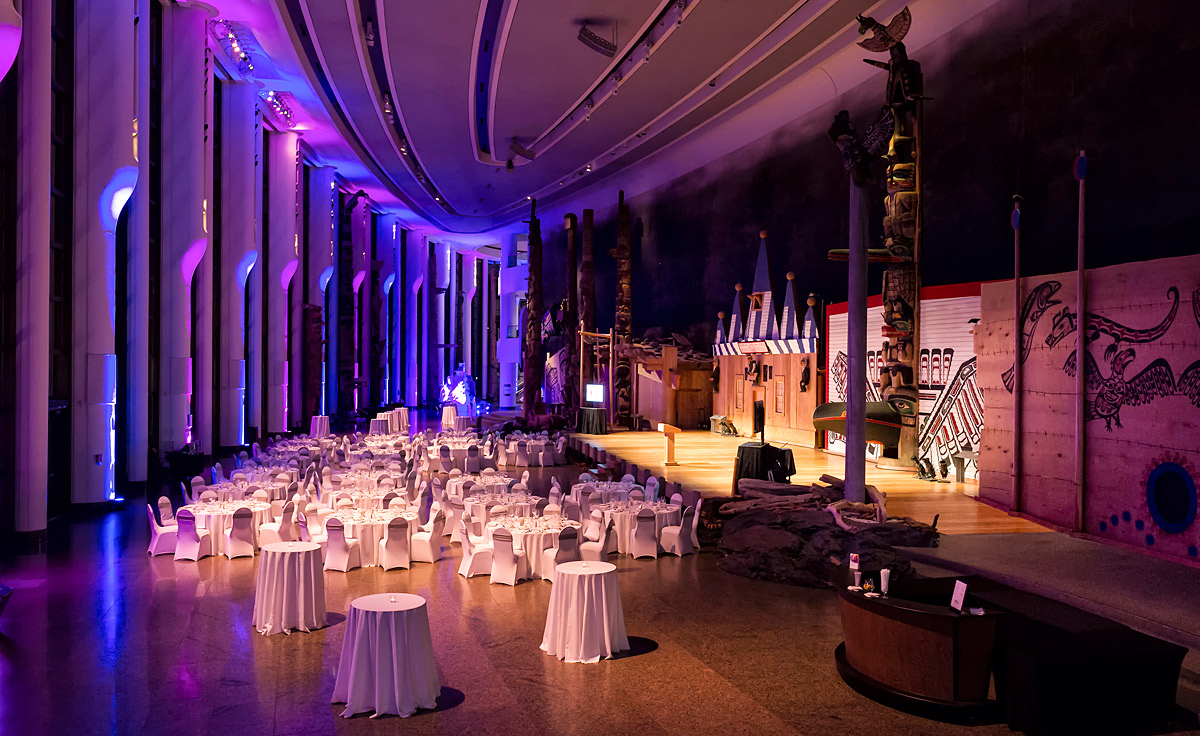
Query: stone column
[[105, 175], [508, 351], [254, 285], [282, 260], [319, 209], [137, 304], [33, 268], [183, 238], [239, 253], [414, 249], [202, 362]]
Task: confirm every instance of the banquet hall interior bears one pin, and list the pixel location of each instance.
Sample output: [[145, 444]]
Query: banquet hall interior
[[534, 367]]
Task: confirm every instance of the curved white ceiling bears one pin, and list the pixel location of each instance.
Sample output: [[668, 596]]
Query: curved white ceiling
[[424, 57]]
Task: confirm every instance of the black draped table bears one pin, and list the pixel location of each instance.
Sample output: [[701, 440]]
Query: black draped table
[[592, 420], [756, 460]]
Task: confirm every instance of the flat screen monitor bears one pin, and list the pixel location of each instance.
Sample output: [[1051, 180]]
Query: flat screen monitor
[[595, 393]]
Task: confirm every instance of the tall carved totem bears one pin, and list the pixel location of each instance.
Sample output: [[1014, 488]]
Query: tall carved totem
[[623, 334], [534, 359]]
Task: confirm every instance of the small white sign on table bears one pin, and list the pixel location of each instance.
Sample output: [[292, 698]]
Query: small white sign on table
[[960, 594]]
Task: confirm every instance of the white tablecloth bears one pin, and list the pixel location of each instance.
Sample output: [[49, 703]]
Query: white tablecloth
[[387, 663], [624, 521], [290, 591], [535, 449], [449, 415], [216, 520], [380, 425], [533, 542], [462, 424], [608, 489], [318, 427], [585, 622], [369, 531], [491, 483]]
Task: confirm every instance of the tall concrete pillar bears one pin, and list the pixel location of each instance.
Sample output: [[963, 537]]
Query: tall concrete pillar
[[104, 177], [469, 288], [414, 249], [385, 254], [282, 260], [137, 299], [203, 431], [360, 236], [297, 290], [319, 209], [239, 252], [254, 285], [508, 344], [33, 268], [183, 238]]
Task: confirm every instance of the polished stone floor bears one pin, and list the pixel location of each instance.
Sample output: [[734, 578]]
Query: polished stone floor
[[99, 639]]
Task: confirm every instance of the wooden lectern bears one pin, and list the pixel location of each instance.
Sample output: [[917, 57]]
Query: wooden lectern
[[669, 433]]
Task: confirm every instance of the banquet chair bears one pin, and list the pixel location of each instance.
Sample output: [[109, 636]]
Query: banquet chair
[[162, 537], [522, 460], [636, 495], [596, 551], [551, 510], [342, 553], [477, 555], [585, 478], [344, 503], [501, 456], [455, 472], [494, 512], [279, 531], [165, 515], [208, 496], [644, 541], [509, 565], [387, 498], [677, 500], [196, 486], [555, 496], [539, 506], [191, 543], [488, 471], [397, 504], [457, 508], [255, 450], [243, 456], [308, 535], [525, 478], [593, 499], [560, 452], [239, 537], [410, 486], [591, 529], [472, 463], [239, 478], [627, 478], [566, 551], [384, 478], [260, 495], [518, 488], [571, 510], [696, 524], [427, 546], [652, 488], [677, 540], [218, 473], [393, 548], [444, 463], [554, 482]]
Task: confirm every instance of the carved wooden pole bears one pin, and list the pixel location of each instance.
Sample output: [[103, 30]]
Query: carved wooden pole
[[623, 332], [587, 295], [571, 324], [1080, 359], [534, 359]]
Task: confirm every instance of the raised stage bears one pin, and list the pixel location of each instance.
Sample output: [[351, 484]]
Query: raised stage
[[706, 463]]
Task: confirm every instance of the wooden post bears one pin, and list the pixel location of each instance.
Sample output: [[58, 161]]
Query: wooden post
[[571, 324], [534, 359], [670, 369], [1017, 331], [1080, 347], [612, 365], [622, 380], [669, 433], [856, 349]]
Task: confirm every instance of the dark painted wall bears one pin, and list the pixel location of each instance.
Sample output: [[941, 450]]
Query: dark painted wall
[[1018, 90]]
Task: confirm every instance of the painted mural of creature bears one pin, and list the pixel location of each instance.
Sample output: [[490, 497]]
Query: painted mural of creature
[[1066, 322], [1037, 303], [1110, 395]]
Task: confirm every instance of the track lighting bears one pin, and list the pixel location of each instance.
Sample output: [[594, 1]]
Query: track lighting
[[596, 43]]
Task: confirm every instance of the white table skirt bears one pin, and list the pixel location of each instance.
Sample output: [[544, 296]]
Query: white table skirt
[[608, 490], [318, 427], [585, 622], [387, 663], [625, 521], [216, 522], [533, 543], [491, 484], [449, 415], [462, 424], [380, 425], [368, 534], [290, 591]]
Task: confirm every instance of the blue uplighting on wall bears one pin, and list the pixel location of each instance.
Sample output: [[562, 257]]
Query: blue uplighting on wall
[[1171, 497]]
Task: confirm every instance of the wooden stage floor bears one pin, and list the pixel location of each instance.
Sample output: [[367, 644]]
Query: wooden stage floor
[[707, 459]]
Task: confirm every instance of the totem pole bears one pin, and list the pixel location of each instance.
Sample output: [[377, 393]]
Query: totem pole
[[623, 380], [587, 295], [895, 136], [534, 359], [571, 325]]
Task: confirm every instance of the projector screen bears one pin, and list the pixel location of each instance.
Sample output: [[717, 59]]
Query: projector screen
[[595, 392]]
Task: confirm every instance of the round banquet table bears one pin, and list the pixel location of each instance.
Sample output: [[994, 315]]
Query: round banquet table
[[369, 531], [380, 425], [290, 591], [535, 450], [387, 663], [625, 519], [318, 427], [609, 490], [518, 504], [533, 542], [449, 414], [216, 518], [462, 424], [490, 483], [585, 622]]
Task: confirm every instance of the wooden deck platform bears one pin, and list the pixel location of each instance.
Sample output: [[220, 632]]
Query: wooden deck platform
[[707, 460]]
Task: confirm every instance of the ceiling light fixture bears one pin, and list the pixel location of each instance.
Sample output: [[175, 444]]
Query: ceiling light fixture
[[596, 43], [522, 151]]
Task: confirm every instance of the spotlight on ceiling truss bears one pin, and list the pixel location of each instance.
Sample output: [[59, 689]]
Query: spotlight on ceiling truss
[[595, 42]]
